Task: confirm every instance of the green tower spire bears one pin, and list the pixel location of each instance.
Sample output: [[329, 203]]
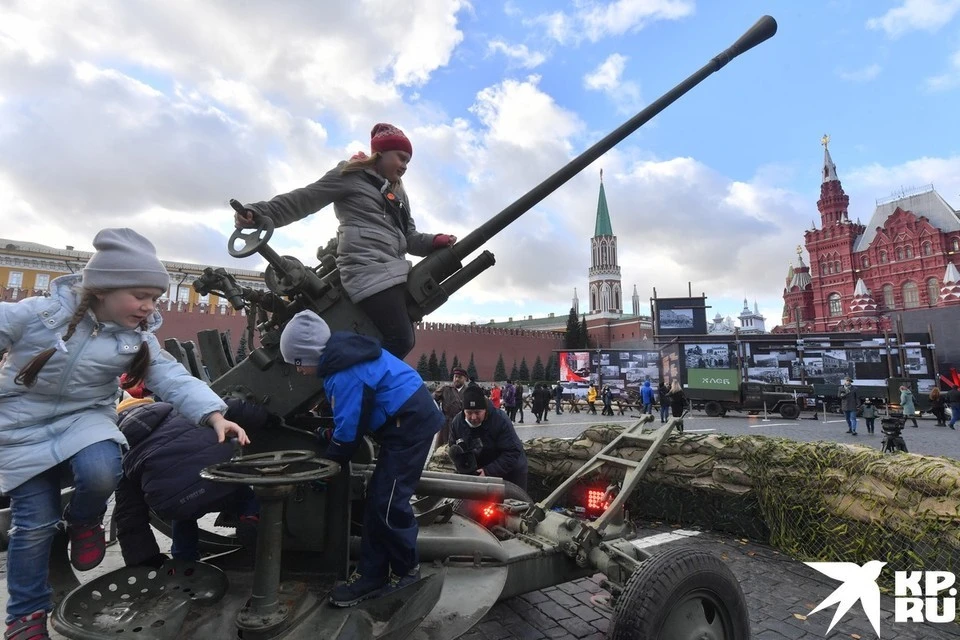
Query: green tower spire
[[603, 227]]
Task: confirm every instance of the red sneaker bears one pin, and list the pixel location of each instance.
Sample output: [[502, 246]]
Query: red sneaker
[[32, 627], [88, 545]]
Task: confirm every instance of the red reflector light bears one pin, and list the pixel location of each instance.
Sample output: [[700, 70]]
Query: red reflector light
[[595, 500], [489, 511]]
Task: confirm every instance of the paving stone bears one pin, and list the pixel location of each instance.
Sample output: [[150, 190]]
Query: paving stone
[[588, 614], [539, 620], [523, 631], [554, 610], [570, 588], [563, 599], [785, 630], [558, 633], [603, 624], [535, 597], [578, 627]]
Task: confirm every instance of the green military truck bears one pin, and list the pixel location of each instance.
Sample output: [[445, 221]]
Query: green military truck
[[717, 391]]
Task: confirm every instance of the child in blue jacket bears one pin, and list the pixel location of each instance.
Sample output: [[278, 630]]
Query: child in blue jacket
[[374, 393], [58, 391]]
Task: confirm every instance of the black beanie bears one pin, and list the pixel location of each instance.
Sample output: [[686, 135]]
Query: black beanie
[[473, 398]]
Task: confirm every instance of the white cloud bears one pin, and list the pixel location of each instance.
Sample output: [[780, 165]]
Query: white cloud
[[518, 53], [864, 74], [948, 79], [607, 78], [594, 20], [912, 15], [868, 183]]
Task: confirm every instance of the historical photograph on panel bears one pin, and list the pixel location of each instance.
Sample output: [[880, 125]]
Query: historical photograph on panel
[[916, 363], [812, 367], [676, 319], [610, 371], [924, 387], [863, 355], [604, 359], [774, 359], [707, 356], [836, 367], [771, 375], [624, 355]]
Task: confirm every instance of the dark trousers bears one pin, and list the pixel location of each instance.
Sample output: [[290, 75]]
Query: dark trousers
[[512, 412], [389, 539], [186, 533], [519, 409], [870, 422], [388, 312]]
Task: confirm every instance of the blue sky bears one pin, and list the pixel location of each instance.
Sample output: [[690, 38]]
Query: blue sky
[[145, 115]]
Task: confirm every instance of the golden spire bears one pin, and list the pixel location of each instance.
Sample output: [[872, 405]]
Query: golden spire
[[825, 140]]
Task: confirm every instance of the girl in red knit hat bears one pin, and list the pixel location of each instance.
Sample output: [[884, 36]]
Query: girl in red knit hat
[[376, 230]]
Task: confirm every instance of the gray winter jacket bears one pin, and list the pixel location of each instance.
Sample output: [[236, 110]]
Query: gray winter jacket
[[372, 245], [849, 398]]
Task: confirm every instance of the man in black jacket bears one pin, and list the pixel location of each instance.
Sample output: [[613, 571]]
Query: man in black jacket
[[483, 441], [161, 472]]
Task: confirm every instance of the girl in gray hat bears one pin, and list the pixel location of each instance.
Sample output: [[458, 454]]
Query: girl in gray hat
[[58, 391]]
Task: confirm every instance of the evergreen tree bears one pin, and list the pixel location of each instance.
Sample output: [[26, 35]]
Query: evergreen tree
[[456, 363], [552, 370], [472, 369], [584, 336], [571, 340], [514, 372], [538, 373], [242, 349], [444, 370], [524, 373], [500, 371], [433, 365], [423, 368]]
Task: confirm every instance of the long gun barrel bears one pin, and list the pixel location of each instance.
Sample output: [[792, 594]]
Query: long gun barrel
[[442, 264]]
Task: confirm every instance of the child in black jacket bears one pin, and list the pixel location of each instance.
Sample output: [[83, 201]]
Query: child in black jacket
[[161, 472]]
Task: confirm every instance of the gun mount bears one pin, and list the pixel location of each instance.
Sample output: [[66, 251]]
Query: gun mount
[[468, 565]]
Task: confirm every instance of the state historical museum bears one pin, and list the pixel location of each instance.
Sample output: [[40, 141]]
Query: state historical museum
[[902, 260]]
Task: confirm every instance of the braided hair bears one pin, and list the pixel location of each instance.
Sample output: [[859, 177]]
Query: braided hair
[[88, 297]]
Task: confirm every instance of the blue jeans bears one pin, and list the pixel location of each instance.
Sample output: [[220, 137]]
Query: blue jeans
[[954, 414], [664, 412], [851, 419], [648, 407], [185, 533], [36, 513]]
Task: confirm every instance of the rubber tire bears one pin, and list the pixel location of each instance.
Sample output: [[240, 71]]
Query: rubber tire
[[666, 579], [789, 411], [713, 409]]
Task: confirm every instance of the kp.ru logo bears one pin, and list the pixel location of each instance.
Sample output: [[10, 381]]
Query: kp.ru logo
[[919, 596]]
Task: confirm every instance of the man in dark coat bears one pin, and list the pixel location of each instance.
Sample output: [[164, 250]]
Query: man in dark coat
[[558, 397], [161, 472], [450, 399], [484, 442]]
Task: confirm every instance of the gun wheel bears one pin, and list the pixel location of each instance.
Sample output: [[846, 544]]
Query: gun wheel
[[681, 594], [713, 409], [790, 411]]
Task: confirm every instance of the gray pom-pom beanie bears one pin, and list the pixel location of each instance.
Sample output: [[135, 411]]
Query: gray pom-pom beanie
[[304, 339], [124, 258]]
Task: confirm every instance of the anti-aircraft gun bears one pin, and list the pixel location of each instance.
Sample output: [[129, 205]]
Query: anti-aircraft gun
[[306, 530]]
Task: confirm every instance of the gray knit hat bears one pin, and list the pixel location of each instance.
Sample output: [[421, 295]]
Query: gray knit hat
[[124, 258], [304, 339]]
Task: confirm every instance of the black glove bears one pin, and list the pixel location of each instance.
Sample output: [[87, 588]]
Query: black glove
[[476, 446]]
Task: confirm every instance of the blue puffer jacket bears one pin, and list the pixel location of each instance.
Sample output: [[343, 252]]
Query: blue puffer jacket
[[368, 388], [73, 403], [646, 393], [161, 472]]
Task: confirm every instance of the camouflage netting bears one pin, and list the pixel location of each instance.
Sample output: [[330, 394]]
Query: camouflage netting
[[813, 500]]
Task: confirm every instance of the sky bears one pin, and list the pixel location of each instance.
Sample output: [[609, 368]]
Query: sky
[[153, 115]]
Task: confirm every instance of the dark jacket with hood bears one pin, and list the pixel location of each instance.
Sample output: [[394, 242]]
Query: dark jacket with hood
[[369, 388], [161, 471], [502, 455]]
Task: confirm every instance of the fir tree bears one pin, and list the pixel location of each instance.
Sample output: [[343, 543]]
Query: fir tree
[[456, 363], [552, 371], [500, 371], [538, 373], [571, 340], [584, 336], [524, 373], [423, 367], [444, 371], [433, 365], [514, 372], [472, 369], [242, 349]]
